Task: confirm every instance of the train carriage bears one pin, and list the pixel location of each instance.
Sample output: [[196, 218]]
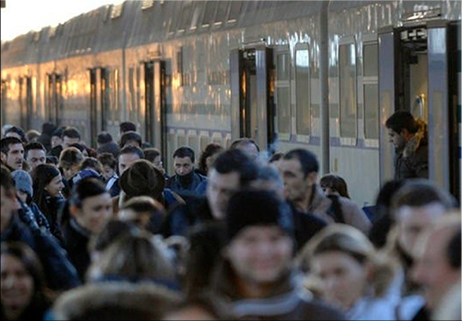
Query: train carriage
[[322, 75]]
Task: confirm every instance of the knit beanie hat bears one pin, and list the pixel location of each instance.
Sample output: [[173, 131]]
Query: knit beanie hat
[[257, 208], [142, 178], [23, 181]]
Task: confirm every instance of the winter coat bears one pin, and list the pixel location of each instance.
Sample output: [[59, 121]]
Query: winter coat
[[412, 161], [60, 273]]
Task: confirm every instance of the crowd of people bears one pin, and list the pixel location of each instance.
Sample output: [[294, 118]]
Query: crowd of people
[[106, 233]]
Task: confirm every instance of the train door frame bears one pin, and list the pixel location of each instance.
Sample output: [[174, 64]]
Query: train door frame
[[444, 165], [242, 62], [99, 101], [54, 101], [155, 103]]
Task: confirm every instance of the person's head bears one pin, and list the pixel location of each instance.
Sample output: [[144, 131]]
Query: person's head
[[183, 161], [57, 136], [90, 205], [347, 265], [23, 184], [12, 152], [260, 238], [144, 211], [231, 171], [92, 163], [115, 300], [48, 128], [334, 185], [126, 126], [153, 155], [47, 181], [130, 138], [208, 156], [127, 156], [17, 132], [299, 168], [247, 145], [133, 257], [70, 160], [108, 163], [71, 135], [276, 159], [417, 206], [142, 178], [401, 126], [7, 198], [437, 267], [32, 135], [103, 138], [35, 154], [23, 280]]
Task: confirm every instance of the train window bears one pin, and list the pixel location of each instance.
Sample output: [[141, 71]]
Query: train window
[[370, 90], [347, 80], [283, 91], [302, 91]]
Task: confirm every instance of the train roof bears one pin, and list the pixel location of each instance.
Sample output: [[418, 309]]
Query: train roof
[[135, 23]]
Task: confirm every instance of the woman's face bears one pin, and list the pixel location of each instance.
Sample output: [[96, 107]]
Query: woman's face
[[95, 212], [343, 278], [17, 287], [55, 186]]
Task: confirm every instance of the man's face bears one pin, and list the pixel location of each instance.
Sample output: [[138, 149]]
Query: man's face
[[56, 141], [14, 157], [260, 254], [183, 165], [68, 141], [413, 221], [396, 139], [296, 185], [36, 157], [432, 269], [220, 188], [125, 160]]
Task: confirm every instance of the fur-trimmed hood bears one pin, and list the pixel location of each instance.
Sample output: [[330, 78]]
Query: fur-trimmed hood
[[419, 139]]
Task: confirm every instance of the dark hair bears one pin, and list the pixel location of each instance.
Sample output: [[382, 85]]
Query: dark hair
[[85, 188], [150, 153], [6, 180], [453, 251], [275, 157], [58, 132], [71, 132], [210, 149], [108, 159], [104, 138], [71, 156], [184, 151], [6, 142], [52, 160], [48, 128], [132, 150], [17, 130], [307, 159], [402, 120], [93, 163], [130, 135], [127, 126], [33, 146], [235, 160], [242, 142], [421, 192], [79, 146], [336, 183], [42, 175]]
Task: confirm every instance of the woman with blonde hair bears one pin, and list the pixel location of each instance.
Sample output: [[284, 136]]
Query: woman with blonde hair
[[350, 273]]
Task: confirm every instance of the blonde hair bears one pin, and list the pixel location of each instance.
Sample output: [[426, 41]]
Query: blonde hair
[[349, 240]]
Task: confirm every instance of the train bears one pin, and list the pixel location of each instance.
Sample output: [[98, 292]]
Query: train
[[320, 75]]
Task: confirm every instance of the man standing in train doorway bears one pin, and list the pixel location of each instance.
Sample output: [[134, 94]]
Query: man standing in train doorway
[[409, 136]]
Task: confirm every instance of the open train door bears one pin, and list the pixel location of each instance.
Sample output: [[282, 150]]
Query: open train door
[[418, 72], [155, 103], [252, 104], [99, 102]]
